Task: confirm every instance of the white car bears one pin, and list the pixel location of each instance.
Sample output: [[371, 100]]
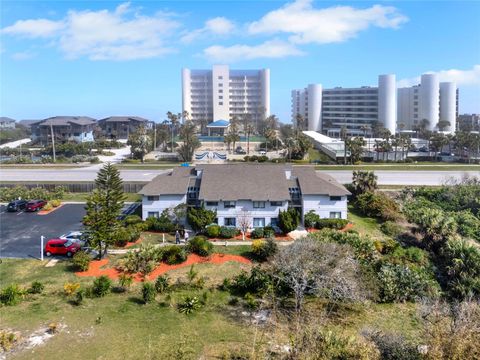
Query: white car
[[75, 236], [262, 152]]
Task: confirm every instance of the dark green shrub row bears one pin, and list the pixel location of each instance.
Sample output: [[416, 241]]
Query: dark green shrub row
[[22, 192], [378, 205], [255, 158]]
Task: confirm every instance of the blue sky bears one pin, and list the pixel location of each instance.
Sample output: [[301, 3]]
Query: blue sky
[[101, 58]]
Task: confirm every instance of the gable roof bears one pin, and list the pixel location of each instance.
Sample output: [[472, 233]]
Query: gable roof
[[244, 182], [315, 183], [4, 119], [27, 123], [167, 184]]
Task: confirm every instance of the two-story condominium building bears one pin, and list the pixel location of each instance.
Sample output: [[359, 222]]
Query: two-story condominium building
[[64, 128], [256, 192], [120, 127]]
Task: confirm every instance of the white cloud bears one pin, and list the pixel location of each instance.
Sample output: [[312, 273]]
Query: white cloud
[[23, 55], [215, 26], [104, 34], [461, 77], [268, 49], [334, 24], [34, 28]]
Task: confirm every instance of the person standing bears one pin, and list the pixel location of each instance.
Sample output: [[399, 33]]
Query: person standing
[[177, 237], [185, 236]]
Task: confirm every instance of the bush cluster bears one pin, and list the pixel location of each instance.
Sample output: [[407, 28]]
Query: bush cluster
[[288, 220], [10, 193], [391, 228], [199, 218], [11, 295], [228, 232], [101, 286], [255, 158], [378, 205], [81, 260], [212, 231], [199, 245], [161, 224], [126, 234], [263, 249]]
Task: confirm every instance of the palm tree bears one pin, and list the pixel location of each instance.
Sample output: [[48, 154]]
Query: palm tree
[[364, 181], [299, 122], [442, 125], [190, 140], [174, 121], [343, 136], [365, 128]]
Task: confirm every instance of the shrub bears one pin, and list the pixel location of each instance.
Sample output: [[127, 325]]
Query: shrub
[[256, 282], [173, 255], [198, 218], [310, 219], [125, 281], [81, 260], [144, 260], [468, 224], [55, 203], [213, 231], [461, 267], [7, 340], [70, 289], [48, 207], [401, 283], [257, 233], [125, 235], [393, 346], [199, 245], [392, 229], [162, 284], [378, 205], [250, 301], [36, 288], [11, 295], [148, 292], [288, 220], [268, 232], [263, 249], [162, 224], [101, 286], [189, 305], [227, 232], [79, 296], [331, 223], [132, 220]]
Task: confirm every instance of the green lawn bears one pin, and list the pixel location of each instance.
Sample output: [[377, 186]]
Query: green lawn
[[131, 197], [364, 225]]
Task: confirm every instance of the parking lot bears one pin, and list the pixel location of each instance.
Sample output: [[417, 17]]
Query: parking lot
[[20, 232]]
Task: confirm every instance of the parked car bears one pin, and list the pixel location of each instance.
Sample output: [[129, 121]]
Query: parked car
[[262, 152], [239, 150], [16, 205], [35, 205], [61, 247], [77, 237]]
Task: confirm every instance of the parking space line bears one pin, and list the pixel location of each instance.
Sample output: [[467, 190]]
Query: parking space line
[[20, 212]]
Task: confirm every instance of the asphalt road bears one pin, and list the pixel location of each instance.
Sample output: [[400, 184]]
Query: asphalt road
[[385, 177], [20, 232]]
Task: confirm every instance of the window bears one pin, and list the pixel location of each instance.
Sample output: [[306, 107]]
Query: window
[[220, 96], [220, 91], [220, 77], [274, 222], [153, 198], [220, 85], [153, 214], [220, 103], [335, 215], [212, 203], [258, 222], [228, 204], [335, 198], [276, 203], [259, 204], [230, 222]]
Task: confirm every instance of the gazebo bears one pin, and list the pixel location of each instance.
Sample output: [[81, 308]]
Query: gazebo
[[218, 128]]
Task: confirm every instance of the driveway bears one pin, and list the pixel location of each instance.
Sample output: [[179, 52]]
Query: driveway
[[20, 232]]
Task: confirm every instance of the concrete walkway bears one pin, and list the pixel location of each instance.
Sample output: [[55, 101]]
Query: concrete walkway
[[14, 144]]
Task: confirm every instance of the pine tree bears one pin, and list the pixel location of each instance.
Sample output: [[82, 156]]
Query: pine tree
[[103, 208]]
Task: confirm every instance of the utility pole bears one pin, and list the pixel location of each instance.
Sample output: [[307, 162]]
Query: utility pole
[[53, 142], [154, 136]]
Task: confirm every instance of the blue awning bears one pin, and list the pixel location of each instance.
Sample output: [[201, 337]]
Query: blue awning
[[219, 124]]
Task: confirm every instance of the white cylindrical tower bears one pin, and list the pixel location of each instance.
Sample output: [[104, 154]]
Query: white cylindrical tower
[[387, 101], [448, 104], [186, 91], [314, 107], [429, 100], [266, 91]]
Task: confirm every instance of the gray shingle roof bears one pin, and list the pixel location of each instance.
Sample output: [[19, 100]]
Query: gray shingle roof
[[66, 120], [27, 123], [314, 183], [244, 182], [231, 182], [167, 185], [123, 119], [4, 119]]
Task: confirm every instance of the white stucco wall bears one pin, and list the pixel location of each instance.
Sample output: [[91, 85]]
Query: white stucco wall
[[164, 202], [322, 205]]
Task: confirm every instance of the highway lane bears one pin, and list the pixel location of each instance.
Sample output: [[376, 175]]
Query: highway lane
[[385, 177]]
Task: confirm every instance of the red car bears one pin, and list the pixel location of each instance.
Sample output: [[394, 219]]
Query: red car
[[35, 205], [61, 247]]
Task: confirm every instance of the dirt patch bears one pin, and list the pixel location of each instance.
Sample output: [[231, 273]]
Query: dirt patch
[[99, 267]]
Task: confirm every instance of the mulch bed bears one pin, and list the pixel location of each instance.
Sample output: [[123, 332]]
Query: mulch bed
[[248, 237], [99, 267], [45, 212]]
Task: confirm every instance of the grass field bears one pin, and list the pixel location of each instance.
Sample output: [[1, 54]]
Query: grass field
[[130, 197]]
